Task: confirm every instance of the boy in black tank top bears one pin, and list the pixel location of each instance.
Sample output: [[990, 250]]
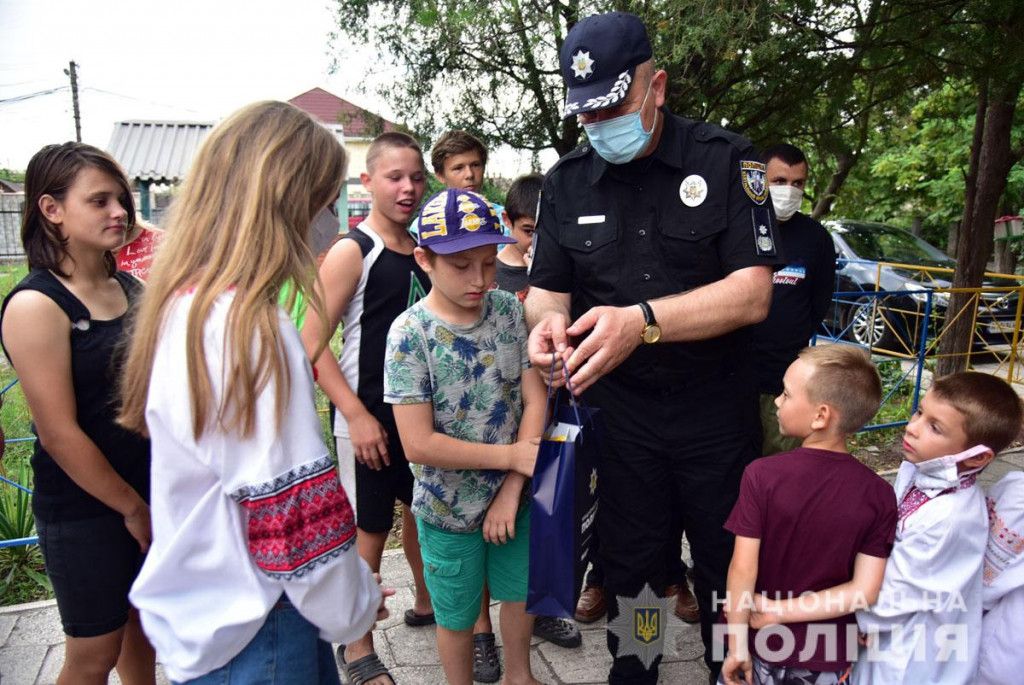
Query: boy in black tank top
[[369, 278]]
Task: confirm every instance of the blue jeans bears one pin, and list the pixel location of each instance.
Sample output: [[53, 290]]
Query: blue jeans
[[287, 650]]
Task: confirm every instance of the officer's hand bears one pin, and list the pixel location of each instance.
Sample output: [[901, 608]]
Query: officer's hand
[[546, 337], [614, 334]]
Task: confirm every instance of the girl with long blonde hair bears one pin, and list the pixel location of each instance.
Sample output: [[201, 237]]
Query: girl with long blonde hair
[[252, 568]]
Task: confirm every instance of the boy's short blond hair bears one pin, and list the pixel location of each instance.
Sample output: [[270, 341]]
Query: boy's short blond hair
[[455, 143], [390, 141], [990, 407], [845, 379]]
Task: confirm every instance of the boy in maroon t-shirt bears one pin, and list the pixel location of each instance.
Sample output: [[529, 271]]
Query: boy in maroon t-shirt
[[807, 520]]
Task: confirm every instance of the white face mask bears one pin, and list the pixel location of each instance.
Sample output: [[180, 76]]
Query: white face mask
[[941, 473], [786, 200], [324, 230]]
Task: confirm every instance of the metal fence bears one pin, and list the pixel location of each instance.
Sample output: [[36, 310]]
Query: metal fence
[[10, 224], [11, 207], [908, 326]]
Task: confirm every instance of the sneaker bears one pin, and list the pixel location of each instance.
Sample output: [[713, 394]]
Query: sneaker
[[592, 605], [486, 665], [558, 631]]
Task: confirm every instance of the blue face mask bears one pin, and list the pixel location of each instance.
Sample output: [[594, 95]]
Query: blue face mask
[[621, 139]]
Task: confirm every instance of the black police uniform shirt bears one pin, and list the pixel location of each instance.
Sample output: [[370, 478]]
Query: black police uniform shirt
[[687, 215], [801, 295]]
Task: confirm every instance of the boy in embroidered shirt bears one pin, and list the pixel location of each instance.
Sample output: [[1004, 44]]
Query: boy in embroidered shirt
[[1002, 660], [807, 520], [926, 625], [470, 412]]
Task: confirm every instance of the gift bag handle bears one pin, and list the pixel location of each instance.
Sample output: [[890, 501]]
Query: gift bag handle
[[553, 396]]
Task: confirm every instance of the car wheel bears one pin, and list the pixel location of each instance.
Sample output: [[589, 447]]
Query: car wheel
[[868, 325]]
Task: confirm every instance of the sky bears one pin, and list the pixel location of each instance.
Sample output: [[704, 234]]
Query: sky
[[186, 60]]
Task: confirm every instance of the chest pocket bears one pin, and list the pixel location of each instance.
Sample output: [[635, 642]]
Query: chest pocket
[[592, 246], [690, 239]]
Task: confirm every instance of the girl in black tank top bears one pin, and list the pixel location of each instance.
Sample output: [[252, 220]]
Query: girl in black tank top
[[61, 327]]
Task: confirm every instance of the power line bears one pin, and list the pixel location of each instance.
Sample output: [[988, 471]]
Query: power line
[[29, 96], [138, 99]]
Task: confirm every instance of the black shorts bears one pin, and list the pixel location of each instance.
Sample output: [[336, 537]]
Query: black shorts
[[376, 491], [92, 564]]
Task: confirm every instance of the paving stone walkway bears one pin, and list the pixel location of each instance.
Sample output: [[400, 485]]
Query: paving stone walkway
[[32, 643]]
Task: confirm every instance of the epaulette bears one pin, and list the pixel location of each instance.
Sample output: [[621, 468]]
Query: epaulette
[[703, 131], [581, 150]]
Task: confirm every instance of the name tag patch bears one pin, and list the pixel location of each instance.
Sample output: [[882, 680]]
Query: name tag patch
[[791, 275], [592, 219]]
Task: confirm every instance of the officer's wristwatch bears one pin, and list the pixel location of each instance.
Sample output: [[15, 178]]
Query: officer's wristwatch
[[652, 331]]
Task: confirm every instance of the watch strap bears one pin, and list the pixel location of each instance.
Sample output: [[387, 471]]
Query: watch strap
[[648, 313]]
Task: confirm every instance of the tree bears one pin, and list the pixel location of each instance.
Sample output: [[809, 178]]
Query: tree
[[490, 68], [992, 55]]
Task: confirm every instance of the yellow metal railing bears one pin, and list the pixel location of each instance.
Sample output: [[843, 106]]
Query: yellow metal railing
[[996, 344]]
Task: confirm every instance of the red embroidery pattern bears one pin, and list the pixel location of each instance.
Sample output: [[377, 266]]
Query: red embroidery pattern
[[914, 499], [299, 520], [1004, 545]]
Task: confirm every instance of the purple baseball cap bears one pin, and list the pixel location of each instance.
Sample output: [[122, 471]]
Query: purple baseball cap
[[454, 220]]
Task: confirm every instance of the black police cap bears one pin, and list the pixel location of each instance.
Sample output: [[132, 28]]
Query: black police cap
[[599, 59]]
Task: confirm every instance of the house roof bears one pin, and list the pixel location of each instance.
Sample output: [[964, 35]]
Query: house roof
[[11, 186], [157, 151], [331, 109]]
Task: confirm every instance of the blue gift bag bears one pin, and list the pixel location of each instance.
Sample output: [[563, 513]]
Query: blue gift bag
[[564, 510]]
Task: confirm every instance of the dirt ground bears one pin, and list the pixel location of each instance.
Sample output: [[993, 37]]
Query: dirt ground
[[881, 458]]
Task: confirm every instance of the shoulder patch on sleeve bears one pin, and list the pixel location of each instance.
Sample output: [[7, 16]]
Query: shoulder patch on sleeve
[[754, 180]]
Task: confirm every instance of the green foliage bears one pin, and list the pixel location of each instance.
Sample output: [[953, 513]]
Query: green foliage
[[915, 168], [489, 68], [22, 574], [12, 175]]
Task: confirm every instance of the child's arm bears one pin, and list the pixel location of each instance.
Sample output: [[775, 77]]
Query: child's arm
[[738, 666], [859, 592], [500, 522], [931, 570], [424, 445], [340, 274]]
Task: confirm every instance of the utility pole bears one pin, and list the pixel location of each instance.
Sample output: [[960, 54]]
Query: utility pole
[[72, 71]]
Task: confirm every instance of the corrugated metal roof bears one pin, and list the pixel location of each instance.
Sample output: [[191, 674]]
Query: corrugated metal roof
[[157, 151]]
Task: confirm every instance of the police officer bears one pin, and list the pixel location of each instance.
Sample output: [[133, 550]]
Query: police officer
[[656, 243]]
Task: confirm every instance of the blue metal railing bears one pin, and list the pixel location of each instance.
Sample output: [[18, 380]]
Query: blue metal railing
[[17, 542]]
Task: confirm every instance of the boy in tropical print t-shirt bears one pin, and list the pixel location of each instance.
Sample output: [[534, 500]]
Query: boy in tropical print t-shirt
[[470, 412]]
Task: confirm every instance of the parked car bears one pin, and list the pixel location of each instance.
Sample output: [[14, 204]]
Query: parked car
[[358, 209], [894, 321]]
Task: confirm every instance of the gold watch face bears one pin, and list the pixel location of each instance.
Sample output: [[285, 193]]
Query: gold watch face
[[651, 334]]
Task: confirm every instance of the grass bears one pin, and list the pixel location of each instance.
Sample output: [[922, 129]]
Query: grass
[[22, 576]]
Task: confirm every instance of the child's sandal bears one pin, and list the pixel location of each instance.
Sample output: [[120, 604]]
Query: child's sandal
[[364, 669], [486, 665]]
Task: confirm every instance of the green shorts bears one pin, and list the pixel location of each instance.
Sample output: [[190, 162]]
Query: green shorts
[[455, 566]]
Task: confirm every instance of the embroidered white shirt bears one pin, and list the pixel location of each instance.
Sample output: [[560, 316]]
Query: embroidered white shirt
[[239, 521], [1002, 659], [925, 627]]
